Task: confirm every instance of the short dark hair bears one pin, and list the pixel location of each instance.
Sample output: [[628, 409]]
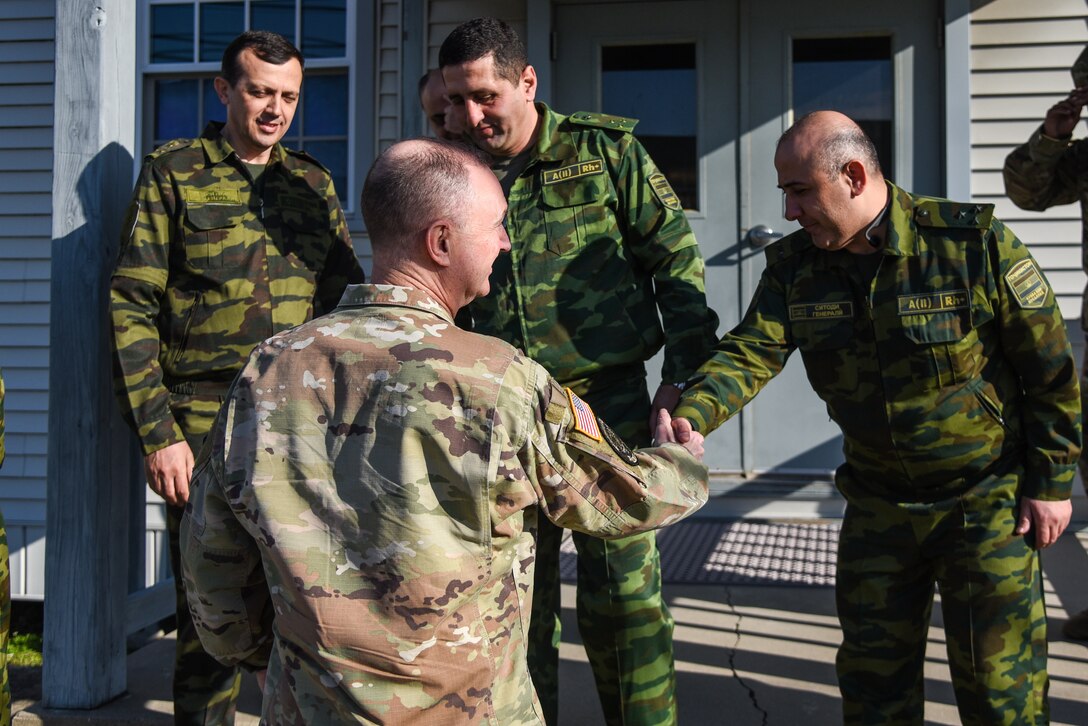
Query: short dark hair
[[266, 45], [405, 189], [481, 37], [841, 146]]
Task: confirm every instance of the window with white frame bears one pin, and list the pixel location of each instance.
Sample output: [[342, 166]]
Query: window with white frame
[[183, 47]]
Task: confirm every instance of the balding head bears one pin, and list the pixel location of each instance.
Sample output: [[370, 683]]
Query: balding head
[[830, 174]]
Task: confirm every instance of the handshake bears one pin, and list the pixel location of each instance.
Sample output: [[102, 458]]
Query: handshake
[[669, 430]]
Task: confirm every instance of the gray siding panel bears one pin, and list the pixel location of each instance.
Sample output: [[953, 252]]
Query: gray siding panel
[[1020, 58], [26, 157]]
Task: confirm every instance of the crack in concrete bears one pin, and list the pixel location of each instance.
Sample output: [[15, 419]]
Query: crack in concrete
[[733, 661]]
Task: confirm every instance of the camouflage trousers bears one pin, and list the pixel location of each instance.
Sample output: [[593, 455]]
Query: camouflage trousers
[[622, 617], [1083, 463], [890, 556], [5, 626], [205, 690]]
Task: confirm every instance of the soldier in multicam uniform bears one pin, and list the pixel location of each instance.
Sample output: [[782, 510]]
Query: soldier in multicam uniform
[[936, 343], [364, 522], [230, 238], [1052, 169], [5, 592], [600, 247]]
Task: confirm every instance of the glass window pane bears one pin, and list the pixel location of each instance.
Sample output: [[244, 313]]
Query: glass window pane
[[220, 23], [275, 15], [333, 155], [175, 110], [852, 76], [214, 110], [325, 105], [324, 23], [172, 33], [656, 84]]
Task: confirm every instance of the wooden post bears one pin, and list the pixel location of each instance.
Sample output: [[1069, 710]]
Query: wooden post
[[91, 452]]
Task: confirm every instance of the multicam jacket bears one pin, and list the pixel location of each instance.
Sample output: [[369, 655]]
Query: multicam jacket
[[208, 268], [599, 246], [364, 521], [952, 363], [1046, 172]]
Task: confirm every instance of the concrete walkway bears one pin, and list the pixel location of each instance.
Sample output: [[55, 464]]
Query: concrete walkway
[[746, 654]]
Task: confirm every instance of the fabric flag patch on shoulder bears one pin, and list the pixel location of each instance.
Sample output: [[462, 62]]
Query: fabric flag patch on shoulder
[[585, 422], [663, 191], [1027, 285]]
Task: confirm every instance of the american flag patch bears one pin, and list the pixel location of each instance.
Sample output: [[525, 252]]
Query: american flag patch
[[584, 420]]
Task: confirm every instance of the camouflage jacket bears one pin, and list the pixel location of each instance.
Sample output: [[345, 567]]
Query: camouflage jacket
[[208, 268], [372, 487], [1046, 172], [599, 245], [953, 362]]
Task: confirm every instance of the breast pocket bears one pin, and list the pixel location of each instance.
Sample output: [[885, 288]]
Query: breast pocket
[[827, 347], [575, 210], [209, 228], [945, 349]]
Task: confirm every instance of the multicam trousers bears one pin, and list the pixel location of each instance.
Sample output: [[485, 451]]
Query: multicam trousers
[[890, 556], [622, 617]]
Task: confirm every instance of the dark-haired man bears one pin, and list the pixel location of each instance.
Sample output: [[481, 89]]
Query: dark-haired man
[[936, 342], [363, 521], [600, 248], [229, 239]]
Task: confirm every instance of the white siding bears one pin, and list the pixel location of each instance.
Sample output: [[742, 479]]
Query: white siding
[[26, 157], [445, 15], [389, 73], [1020, 58]]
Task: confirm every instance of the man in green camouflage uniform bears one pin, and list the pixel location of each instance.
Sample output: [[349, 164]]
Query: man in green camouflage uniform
[[230, 238], [365, 520], [936, 343], [5, 592], [600, 246], [1052, 169]]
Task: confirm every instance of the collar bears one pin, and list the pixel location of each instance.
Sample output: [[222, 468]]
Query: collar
[[552, 144], [365, 295], [217, 149], [902, 232]]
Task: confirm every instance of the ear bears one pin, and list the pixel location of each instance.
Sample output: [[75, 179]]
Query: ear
[[856, 177], [528, 82], [222, 89], [438, 241]]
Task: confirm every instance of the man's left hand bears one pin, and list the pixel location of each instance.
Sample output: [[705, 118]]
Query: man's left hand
[[1047, 519], [667, 397]]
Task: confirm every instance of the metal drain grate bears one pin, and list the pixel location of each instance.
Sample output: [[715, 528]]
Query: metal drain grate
[[738, 553]]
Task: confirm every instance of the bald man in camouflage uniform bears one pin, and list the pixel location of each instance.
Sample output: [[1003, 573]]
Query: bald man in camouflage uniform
[[935, 340], [230, 238], [365, 521], [600, 248], [1049, 170]]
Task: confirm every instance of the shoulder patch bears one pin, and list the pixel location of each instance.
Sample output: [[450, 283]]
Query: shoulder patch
[[169, 146], [1027, 284], [663, 191], [604, 121], [618, 445], [585, 422], [306, 157], [942, 213]]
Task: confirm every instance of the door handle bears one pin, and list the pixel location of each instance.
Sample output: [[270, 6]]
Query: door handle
[[761, 235]]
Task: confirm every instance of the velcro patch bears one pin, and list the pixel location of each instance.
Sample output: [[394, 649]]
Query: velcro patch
[[211, 196], [585, 422], [933, 302], [582, 168], [1027, 285], [663, 191], [618, 445], [821, 311]]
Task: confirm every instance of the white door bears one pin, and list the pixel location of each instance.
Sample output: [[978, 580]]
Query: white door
[[714, 84]]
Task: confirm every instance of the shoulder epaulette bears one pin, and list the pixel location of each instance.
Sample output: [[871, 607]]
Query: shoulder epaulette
[[787, 247], [306, 157], [943, 213], [169, 146], [604, 121]]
